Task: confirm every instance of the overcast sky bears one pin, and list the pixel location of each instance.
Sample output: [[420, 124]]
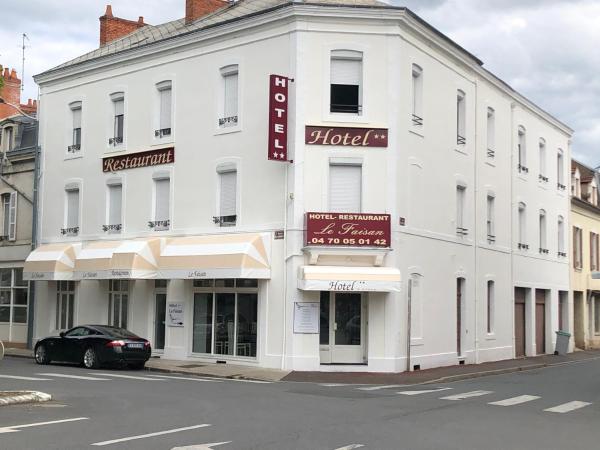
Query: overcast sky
[[546, 49]]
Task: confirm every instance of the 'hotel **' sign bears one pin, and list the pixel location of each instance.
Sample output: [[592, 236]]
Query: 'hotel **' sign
[[139, 159], [348, 230], [346, 137]]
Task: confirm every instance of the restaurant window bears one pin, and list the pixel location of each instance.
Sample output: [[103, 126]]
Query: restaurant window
[[225, 318], [118, 105], [522, 244], [491, 133], [417, 95], [13, 296], [229, 114], [72, 213], [65, 303], [461, 118], [118, 299], [162, 195], [164, 89], [76, 127], [491, 237], [9, 216], [577, 248], [115, 201], [490, 306], [346, 81], [593, 251], [345, 188], [461, 230], [227, 196]]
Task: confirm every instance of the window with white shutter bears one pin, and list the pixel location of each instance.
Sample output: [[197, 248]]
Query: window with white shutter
[[491, 133], [229, 114], [523, 227], [417, 95], [165, 109], [12, 220], [76, 133], [162, 188], [345, 188], [228, 198], [118, 101], [72, 216], [542, 231], [491, 237], [115, 195], [461, 230], [346, 80], [461, 118]]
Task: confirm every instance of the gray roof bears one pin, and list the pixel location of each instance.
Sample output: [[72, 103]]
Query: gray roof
[[150, 34]]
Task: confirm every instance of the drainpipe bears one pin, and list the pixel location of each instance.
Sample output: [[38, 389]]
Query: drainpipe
[[409, 323], [34, 232], [476, 227]]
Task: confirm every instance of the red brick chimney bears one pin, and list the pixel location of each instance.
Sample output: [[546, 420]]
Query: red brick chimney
[[195, 9], [11, 93], [112, 27]]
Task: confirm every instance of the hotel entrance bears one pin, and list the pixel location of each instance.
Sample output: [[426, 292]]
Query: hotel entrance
[[343, 322]]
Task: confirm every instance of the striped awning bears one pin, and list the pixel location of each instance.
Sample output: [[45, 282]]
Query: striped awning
[[350, 279], [51, 262], [135, 259], [216, 256]]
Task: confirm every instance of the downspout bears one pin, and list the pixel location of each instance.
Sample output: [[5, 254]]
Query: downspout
[[409, 323], [512, 229], [285, 267], [34, 240], [476, 227]]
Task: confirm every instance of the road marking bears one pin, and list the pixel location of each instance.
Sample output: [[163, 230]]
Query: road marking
[[129, 377], [376, 388], [567, 407], [515, 400], [423, 392], [350, 447], [143, 436], [466, 395], [15, 377], [201, 446], [15, 428], [75, 377], [186, 378], [250, 381]]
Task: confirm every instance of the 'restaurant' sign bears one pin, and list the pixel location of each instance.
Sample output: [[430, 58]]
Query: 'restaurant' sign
[[139, 159], [348, 230], [348, 137], [278, 117]]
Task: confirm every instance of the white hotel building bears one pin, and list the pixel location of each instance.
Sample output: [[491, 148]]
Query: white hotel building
[[471, 174]]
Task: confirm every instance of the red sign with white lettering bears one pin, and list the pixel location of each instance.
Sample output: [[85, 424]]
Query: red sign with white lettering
[[278, 117], [348, 229], [348, 137]]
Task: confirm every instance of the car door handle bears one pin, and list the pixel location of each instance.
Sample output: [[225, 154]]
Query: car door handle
[[334, 326]]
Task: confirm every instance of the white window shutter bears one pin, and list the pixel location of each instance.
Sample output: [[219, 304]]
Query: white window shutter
[[345, 186], [346, 71], [231, 94], [228, 193], [119, 107], [115, 198], [72, 208], [162, 188], [165, 108], [77, 118], [12, 225]]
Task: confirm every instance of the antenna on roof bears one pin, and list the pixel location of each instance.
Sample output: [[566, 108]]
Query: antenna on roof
[[23, 62]]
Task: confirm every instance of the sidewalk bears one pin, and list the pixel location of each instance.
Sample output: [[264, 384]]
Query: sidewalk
[[440, 374]]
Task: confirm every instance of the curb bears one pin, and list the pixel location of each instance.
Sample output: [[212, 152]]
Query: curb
[[27, 397], [16, 355], [202, 375]]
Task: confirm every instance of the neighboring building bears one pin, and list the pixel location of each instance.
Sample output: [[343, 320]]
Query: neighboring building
[[18, 143], [450, 184], [585, 221]]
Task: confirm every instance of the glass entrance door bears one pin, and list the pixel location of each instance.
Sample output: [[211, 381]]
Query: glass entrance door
[[342, 328], [159, 321]]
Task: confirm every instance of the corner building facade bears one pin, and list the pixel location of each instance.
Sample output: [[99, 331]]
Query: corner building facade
[[389, 240]]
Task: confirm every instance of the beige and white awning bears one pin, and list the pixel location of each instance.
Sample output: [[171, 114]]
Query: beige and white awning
[[135, 259], [51, 262], [351, 279], [216, 256]]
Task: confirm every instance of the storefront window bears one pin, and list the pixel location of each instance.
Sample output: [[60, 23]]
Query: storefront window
[[65, 300], [118, 298], [13, 296], [225, 323]]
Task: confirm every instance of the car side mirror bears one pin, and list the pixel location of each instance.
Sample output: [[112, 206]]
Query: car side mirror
[[62, 334]]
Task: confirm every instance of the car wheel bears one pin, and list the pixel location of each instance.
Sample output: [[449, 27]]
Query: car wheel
[[90, 359], [41, 355], [137, 366]]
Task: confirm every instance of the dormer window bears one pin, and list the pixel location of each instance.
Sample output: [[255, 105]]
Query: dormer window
[[346, 81], [576, 184], [8, 139]]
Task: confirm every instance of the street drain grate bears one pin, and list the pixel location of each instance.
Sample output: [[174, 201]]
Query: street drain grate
[[191, 366]]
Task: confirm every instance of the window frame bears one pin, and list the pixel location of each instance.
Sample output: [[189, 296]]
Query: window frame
[[522, 226], [114, 228], [491, 133], [417, 114], [461, 117], [461, 205], [491, 306], [65, 288], [113, 143], [227, 220], [68, 228], [162, 133], [12, 289], [165, 224], [522, 150], [346, 162], [348, 54], [119, 292]]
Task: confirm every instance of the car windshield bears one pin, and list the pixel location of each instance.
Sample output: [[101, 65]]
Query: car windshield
[[116, 332]]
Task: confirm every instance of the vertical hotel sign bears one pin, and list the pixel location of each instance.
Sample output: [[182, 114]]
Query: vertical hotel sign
[[278, 117]]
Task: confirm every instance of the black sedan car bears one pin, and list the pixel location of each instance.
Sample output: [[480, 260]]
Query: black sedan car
[[94, 345]]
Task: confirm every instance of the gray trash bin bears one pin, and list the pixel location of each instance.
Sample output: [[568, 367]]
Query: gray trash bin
[[562, 342]]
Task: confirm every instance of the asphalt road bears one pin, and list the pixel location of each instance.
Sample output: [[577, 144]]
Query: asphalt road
[[553, 408]]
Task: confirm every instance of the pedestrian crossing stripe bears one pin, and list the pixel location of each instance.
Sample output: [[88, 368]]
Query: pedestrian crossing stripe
[[467, 395], [568, 407], [515, 400], [427, 391]]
